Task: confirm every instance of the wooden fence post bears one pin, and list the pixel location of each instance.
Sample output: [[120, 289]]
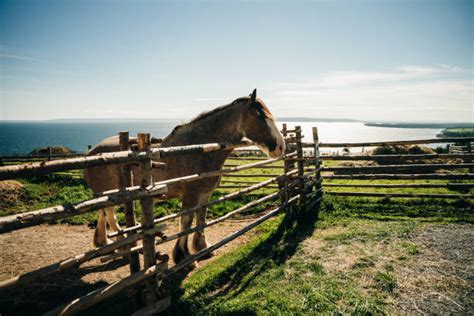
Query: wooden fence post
[[147, 219], [317, 161], [126, 180], [317, 165], [283, 183], [469, 150], [300, 164]]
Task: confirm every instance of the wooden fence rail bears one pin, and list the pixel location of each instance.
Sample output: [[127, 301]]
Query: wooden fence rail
[[42, 156], [27, 219], [400, 142], [425, 176], [226, 197], [419, 167], [41, 168], [262, 167], [464, 156], [403, 185], [401, 195], [246, 158], [213, 222]]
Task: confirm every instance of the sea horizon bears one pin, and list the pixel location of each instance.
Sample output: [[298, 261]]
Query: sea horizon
[[278, 119], [22, 137]]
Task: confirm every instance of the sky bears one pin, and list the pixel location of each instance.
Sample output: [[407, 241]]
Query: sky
[[367, 60]]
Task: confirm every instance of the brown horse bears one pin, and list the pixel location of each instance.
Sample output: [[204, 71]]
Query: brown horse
[[244, 118]]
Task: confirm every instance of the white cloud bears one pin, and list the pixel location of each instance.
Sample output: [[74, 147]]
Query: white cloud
[[18, 57], [441, 93]]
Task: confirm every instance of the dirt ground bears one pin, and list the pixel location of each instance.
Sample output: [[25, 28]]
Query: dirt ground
[[32, 248], [439, 281]]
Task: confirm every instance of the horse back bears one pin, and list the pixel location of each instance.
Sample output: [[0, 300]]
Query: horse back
[[107, 177]]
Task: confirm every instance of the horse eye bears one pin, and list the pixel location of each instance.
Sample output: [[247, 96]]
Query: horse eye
[[260, 114]]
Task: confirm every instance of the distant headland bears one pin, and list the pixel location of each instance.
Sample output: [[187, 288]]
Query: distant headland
[[421, 125]]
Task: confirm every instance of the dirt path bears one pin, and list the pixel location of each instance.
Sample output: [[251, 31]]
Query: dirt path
[[32, 248]]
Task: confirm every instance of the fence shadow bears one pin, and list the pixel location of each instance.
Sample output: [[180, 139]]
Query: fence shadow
[[279, 247], [47, 293]]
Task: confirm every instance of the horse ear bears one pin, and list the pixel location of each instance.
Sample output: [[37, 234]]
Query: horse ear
[[253, 96]]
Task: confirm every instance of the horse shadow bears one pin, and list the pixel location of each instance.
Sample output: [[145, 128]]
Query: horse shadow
[[273, 251]]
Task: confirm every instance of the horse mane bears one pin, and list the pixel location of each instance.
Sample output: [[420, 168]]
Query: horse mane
[[206, 114], [219, 109], [263, 110]]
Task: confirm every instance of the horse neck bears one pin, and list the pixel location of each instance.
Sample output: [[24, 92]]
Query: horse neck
[[223, 126]]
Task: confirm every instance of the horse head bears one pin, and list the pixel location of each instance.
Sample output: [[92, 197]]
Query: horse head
[[259, 126]]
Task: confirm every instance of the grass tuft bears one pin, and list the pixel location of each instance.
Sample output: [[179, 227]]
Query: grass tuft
[[385, 281]]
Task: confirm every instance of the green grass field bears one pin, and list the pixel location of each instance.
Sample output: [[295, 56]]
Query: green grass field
[[346, 257]]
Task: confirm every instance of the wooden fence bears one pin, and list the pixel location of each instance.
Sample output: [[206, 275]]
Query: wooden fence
[[296, 178], [456, 167], [299, 183]]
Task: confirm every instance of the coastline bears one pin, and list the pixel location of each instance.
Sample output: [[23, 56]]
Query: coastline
[[421, 125]]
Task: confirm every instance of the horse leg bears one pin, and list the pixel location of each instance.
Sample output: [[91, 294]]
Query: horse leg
[[100, 234], [199, 237], [112, 221], [181, 250]]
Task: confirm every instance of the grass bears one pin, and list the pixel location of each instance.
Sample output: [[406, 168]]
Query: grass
[[48, 191], [344, 258], [294, 267], [337, 262], [457, 132], [385, 281]]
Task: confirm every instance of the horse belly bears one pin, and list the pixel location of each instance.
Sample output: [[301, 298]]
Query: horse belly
[[104, 178]]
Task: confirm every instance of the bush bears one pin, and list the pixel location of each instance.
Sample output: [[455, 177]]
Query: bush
[[402, 150], [58, 150]]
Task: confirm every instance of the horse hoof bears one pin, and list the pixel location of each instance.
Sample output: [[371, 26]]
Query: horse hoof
[[179, 254], [192, 266], [207, 256], [199, 243], [101, 243]]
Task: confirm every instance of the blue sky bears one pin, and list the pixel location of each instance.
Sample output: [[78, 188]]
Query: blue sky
[[373, 60]]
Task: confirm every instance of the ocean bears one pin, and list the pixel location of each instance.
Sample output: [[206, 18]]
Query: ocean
[[19, 138]]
